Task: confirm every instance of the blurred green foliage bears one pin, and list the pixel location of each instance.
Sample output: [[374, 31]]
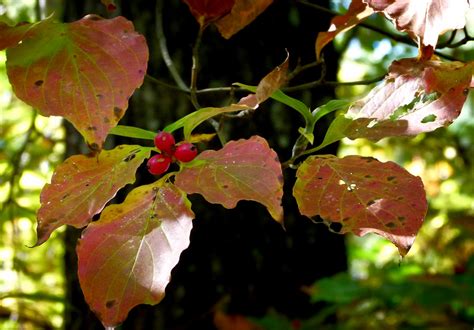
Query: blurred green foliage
[[31, 280]]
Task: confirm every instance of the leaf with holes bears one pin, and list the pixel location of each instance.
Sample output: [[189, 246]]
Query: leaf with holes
[[241, 170], [357, 12], [86, 74], [424, 20], [206, 11], [82, 185], [242, 14], [415, 97], [362, 195], [126, 258]]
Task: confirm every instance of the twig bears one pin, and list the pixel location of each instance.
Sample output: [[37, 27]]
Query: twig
[[195, 68], [324, 83], [395, 37], [167, 85], [300, 68], [164, 49]]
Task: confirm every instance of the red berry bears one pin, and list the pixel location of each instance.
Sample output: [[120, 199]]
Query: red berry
[[164, 141], [185, 152], [158, 164]]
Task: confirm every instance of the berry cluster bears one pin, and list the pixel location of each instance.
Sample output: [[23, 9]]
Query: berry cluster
[[183, 152]]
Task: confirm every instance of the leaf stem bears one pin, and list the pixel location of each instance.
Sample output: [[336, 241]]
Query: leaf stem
[[195, 68], [164, 48]]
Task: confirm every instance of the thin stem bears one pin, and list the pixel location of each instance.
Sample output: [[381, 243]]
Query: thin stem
[[195, 68], [164, 84], [324, 83], [164, 48], [300, 68]]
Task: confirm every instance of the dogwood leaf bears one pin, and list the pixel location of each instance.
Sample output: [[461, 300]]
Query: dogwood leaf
[[82, 185], [362, 195], [126, 257], [86, 72], [241, 170]]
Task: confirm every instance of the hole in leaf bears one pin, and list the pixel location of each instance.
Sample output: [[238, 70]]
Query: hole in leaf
[[92, 128], [465, 91], [110, 303], [368, 176], [39, 82], [428, 119], [94, 147], [401, 219], [391, 178], [335, 227], [129, 157], [390, 225], [317, 219], [370, 202], [118, 113]]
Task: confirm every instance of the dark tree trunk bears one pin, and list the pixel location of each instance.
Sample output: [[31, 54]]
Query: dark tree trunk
[[239, 260]]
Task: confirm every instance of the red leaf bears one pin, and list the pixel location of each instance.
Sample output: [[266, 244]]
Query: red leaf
[[126, 258], [362, 195], [424, 20], [356, 13], [242, 170], [205, 11], [242, 14], [86, 73], [82, 185], [415, 97]]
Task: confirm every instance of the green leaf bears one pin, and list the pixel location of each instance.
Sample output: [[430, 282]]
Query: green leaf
[[194, 119], [126, 257], [82, 185], [331, 106], [279, 96], [241, 170], [361, 195], [132, 132], [84, 71]]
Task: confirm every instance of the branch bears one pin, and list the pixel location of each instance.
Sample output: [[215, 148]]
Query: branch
[[164, 49], [324, 83], [395, 37]]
